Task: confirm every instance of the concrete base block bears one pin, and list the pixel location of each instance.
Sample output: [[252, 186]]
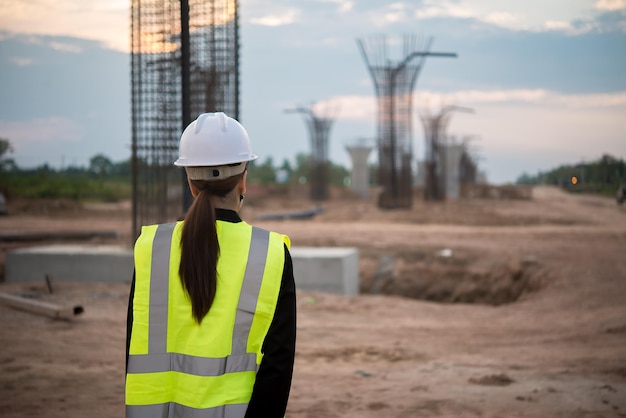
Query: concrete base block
[[104, 263], [323, 269], [326, 269]]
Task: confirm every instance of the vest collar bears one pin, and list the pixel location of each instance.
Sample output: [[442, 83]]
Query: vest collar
[[227, 215]]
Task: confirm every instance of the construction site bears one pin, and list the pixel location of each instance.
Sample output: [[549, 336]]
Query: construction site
[[425, 292], [472, 308]]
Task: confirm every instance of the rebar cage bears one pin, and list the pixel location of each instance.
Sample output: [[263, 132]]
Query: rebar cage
[[184, 62], [394, 84]]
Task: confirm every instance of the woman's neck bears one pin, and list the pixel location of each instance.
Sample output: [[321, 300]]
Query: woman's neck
[[230, 202]]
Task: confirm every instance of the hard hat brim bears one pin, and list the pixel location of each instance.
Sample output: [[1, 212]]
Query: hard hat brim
[[189, 162]]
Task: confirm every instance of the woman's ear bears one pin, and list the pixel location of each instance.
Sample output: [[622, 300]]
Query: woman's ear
[[242, 183]]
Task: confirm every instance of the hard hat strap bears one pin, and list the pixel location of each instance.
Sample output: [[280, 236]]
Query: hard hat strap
[[216, 172]]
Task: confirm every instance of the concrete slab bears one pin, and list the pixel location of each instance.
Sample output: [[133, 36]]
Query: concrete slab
[[104, 263], [326, 269], [323, 269]]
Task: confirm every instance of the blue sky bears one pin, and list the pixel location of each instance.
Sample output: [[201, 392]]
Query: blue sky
[[546, 79]]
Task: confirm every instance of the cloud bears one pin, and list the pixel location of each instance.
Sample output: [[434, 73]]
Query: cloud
[[558, 25], [566, 135], [530, 97], [73, 46], [103, 20], [611, 21], [353, 107], [285, 18], [610, 5], [512, 20], [572, 17], [432, 9], [65, 47], [358, 107], [343, 6], [21, 61], [447, 9], [396, 12], [503, 19], [41, 131]]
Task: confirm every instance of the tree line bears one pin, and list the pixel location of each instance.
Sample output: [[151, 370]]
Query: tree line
[[603, 176], [101, 180], [105, 180]]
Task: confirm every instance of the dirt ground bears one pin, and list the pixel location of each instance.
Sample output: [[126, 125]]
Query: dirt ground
[[475, 308]]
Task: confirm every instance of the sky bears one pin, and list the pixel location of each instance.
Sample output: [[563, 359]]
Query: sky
[[546, 79]]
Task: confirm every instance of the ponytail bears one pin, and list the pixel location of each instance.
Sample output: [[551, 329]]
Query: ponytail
[[200, 247]]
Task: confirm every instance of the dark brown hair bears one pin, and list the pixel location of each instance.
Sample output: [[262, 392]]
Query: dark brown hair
[[199, 245]]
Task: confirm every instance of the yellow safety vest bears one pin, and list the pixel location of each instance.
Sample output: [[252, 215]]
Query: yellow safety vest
[[179, 368]]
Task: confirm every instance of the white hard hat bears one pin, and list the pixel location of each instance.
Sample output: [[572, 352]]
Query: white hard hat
[[217, 141]]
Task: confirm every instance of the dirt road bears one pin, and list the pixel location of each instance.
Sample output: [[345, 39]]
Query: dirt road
[[538, 330]]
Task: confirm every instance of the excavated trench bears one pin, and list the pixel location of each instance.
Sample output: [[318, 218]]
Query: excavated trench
[[448, 278]]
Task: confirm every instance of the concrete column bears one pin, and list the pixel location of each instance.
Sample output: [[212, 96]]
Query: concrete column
[[420, 177], [452, 173], [360, 170]]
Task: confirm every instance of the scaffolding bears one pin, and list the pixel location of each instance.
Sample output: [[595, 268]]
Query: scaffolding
[[184, 62], [394, 84], [319, 129]]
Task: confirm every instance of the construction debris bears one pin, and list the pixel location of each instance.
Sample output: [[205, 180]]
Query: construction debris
[[40, 308], [55, 235], [305, 214]]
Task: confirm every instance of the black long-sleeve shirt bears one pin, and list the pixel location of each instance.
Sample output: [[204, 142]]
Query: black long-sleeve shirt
[[273, 380]]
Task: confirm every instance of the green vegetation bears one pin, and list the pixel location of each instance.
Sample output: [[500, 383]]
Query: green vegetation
[[102, 180], [266, 173], [603, 176], [105, 180]]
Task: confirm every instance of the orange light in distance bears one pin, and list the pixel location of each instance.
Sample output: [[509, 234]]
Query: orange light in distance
[[574, 180]]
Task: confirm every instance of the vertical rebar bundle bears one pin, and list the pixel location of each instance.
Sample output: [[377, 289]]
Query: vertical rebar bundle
[[434, 131], [319, 130], [184, 62], [468, 170], [394, 84]]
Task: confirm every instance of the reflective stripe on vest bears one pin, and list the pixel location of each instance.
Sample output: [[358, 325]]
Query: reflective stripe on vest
[[159, 360], [174, 410]]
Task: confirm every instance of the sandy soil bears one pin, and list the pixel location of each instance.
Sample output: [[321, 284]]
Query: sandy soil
[[491, 308]]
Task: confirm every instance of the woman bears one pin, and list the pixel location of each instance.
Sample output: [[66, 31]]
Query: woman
[[212, 313]]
